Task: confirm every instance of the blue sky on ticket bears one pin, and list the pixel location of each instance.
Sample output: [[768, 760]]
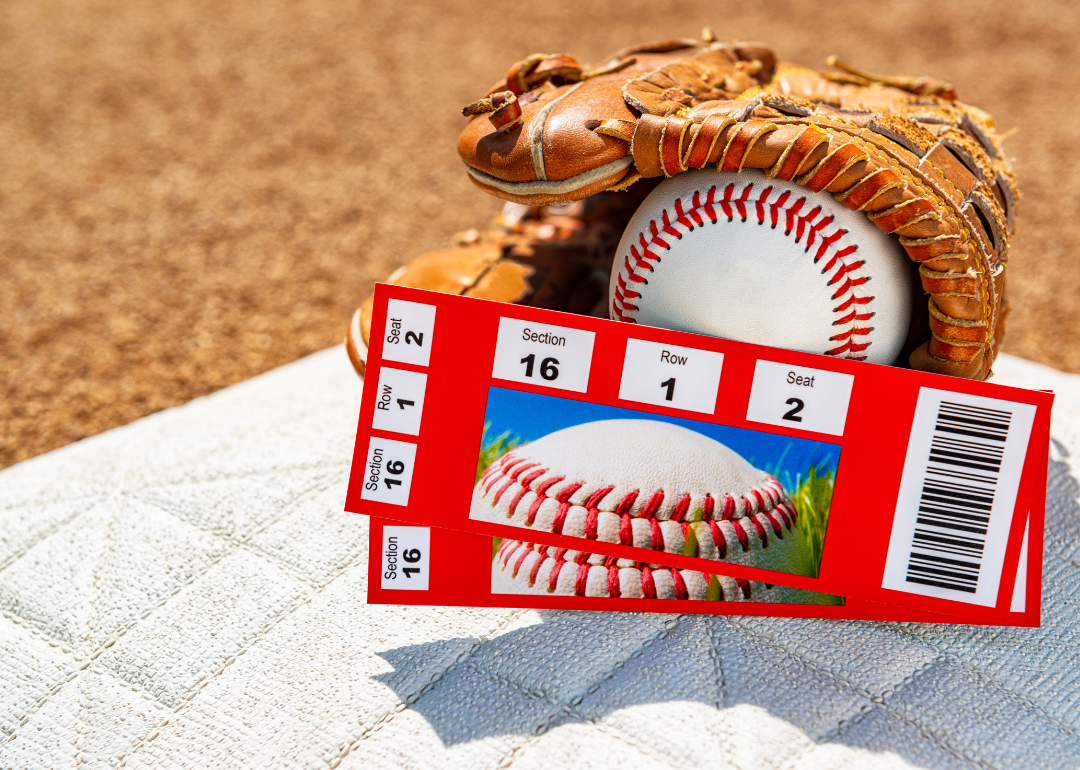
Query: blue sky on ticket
[[529, 416]]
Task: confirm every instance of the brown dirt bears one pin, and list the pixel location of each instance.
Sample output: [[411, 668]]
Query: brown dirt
[[192, 193]]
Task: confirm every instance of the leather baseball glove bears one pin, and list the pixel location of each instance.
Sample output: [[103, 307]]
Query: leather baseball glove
[[578, 147]]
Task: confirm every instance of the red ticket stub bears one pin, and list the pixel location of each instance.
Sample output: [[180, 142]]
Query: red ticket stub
[[410, 565], [649, 445]]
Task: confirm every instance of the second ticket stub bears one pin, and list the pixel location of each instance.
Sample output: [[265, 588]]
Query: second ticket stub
[[410, 565], [826, 475]]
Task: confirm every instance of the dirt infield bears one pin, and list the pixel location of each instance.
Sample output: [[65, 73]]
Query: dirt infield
[[193, 193]]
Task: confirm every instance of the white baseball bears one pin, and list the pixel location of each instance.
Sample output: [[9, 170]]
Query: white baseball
[[647, 484], [765, 261], [526, 568]]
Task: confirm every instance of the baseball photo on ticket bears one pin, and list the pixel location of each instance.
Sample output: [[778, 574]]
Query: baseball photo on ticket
[[735, 482], [410, 565], [824, 474]]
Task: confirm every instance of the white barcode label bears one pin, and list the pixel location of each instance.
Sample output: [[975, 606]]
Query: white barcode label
[[957, 495], [1019, 597]]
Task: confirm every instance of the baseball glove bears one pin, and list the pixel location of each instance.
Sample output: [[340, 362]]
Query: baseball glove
[[555, 258], [921, 165]]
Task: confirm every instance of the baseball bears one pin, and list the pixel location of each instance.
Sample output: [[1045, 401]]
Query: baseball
[[526, 568], [647, 484], [747, 258]]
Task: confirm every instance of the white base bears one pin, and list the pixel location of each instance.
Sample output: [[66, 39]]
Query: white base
[[187, 592]]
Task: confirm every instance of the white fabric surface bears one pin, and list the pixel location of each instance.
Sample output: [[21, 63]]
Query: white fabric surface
[[187, 592]]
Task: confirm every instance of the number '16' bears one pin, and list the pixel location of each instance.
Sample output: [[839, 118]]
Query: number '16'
[[412, 556], [395, 467], [548, 367]]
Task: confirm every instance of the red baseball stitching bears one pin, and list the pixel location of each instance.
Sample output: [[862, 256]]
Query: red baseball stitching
[[807, 224], [517, 552], [511, 468], [763, 508]]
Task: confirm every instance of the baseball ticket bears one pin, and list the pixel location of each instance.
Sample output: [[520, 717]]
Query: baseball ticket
[[648, 445], [410, 565]]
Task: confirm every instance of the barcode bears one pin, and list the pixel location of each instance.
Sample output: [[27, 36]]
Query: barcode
[[955, 505], [958, 496]]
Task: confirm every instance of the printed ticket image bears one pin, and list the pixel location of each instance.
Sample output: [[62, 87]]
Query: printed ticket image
[[664, 483]]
